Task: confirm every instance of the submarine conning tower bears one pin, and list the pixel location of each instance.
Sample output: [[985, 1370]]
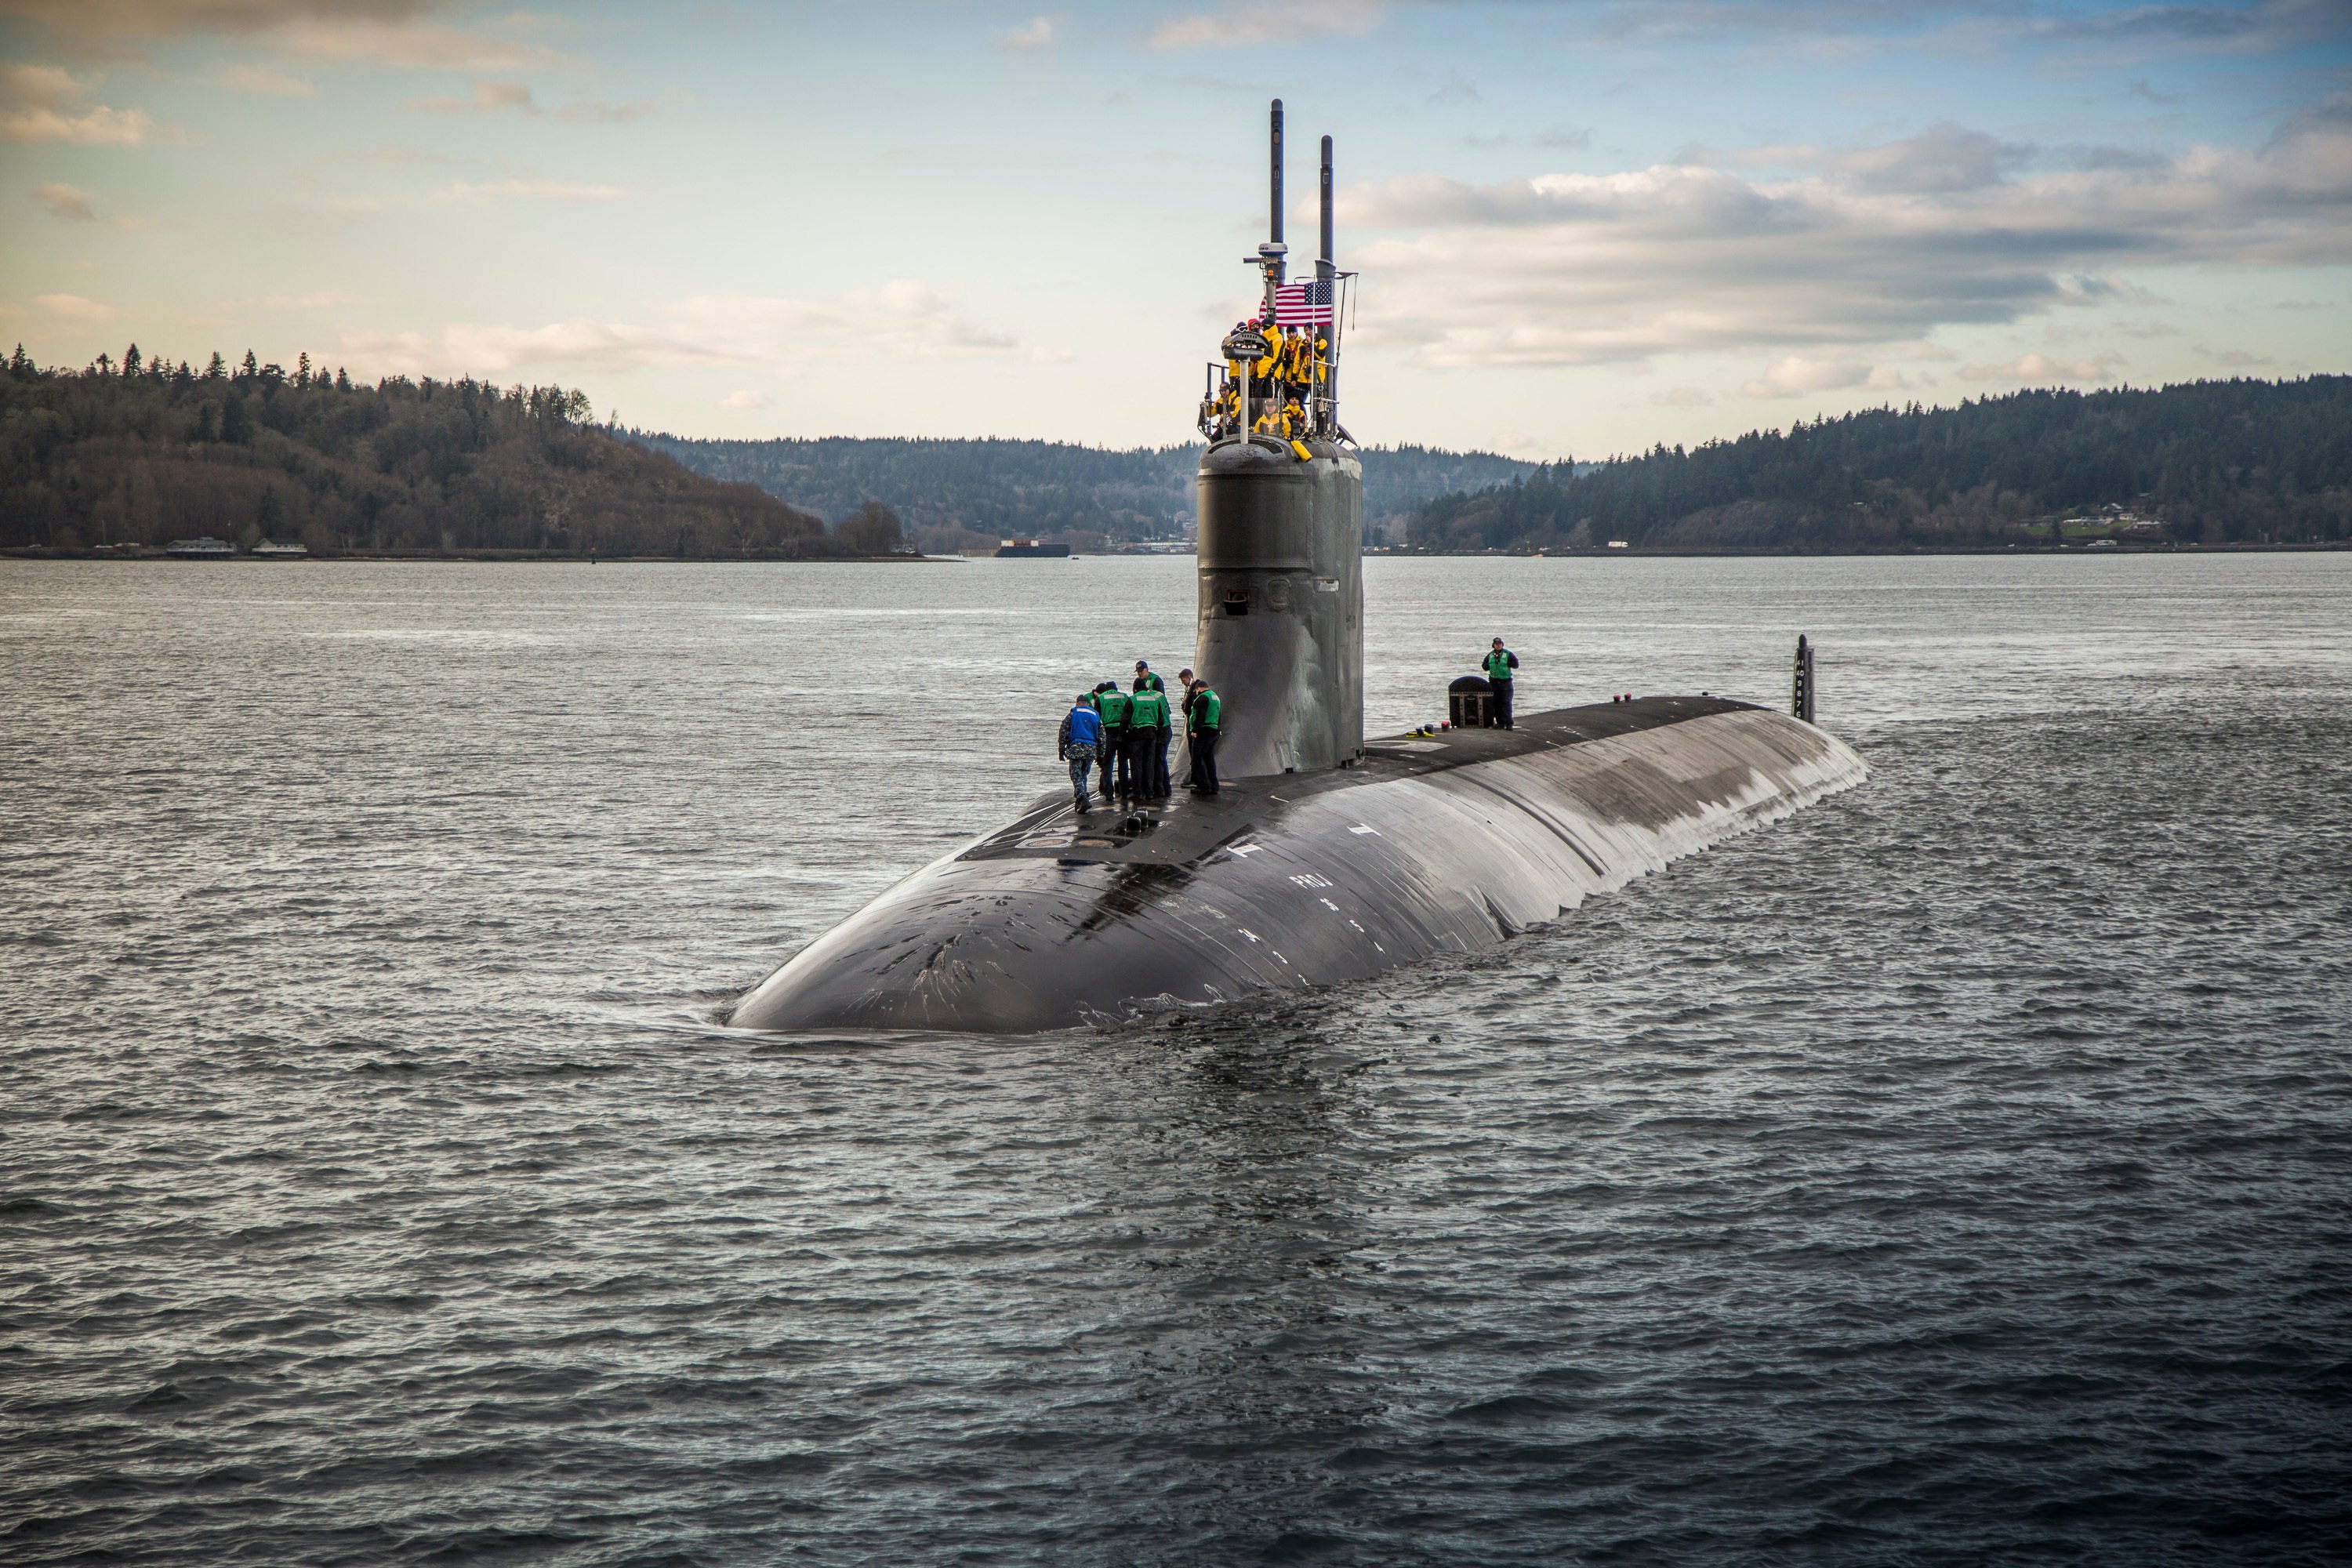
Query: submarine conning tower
[[1281, 576]]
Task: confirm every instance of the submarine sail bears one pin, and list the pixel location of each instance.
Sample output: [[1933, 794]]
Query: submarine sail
[[1281, 548], [1326, 858]]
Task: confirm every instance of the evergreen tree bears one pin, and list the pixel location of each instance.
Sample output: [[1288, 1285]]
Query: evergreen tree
[[95, 456], [131, 363], [216, 370], [966, 492], [2207, 461], [874, 530]]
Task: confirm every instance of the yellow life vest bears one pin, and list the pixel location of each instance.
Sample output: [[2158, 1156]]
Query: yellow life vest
[[1297, 360]]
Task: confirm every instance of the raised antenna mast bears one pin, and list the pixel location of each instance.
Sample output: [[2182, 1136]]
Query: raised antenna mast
[[1323, 264], [1274, 220], [1326, 276], [1270, 253]]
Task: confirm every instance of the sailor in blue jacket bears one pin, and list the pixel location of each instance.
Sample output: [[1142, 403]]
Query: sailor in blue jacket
[[1081, 739]]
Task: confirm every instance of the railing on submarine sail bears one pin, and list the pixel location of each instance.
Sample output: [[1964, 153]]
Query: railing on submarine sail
[[1231, 404]]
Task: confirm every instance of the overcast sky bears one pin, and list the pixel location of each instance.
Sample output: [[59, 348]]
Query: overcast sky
[[1582, 228]]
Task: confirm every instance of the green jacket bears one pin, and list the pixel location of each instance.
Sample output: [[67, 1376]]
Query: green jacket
[[1501, 663], [1113, 706], [1146, 710], [1208, 708], [1148, 681]]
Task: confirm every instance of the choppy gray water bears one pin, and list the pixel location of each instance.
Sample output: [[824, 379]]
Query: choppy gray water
[[1956, 1172]]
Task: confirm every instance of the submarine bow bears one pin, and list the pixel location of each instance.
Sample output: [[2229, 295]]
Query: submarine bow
[[1445, 845]]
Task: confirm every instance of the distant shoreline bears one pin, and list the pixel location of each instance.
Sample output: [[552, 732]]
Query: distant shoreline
[[493, 557], [43, 553]]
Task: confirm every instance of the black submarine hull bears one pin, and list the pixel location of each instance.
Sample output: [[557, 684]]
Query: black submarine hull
[[1441, 845]]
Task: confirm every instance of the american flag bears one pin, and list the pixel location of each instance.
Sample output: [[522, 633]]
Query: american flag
[[1307, 304]]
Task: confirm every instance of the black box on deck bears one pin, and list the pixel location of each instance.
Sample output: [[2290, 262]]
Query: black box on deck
[[1470, 703]]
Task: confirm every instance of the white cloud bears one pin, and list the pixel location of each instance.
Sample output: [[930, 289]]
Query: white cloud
[[1796, 375], [899, 320], [123, 19], [65, 202], [1456, 89], [611, 112], [41, 87], [2263, 25], [1245, 24], [1036, 33], [74, 308], [412, 44], [1842, 28], [488, 98], [43, 103], [1684, 258], [553, 190], [371, 32], [2035, 369], [1942, 159], [262, 80], [747, 399]]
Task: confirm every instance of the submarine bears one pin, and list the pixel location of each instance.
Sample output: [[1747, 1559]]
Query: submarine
[[1326, 858]]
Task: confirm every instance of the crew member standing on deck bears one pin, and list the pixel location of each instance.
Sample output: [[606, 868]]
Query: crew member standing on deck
[[1204, 715], [1112, 704], [1184, 722], [1104, 748], [1154, 780], [1081, 739], [1501, 667], [1148, 732]]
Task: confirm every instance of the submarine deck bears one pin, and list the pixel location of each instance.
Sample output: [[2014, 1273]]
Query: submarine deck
[[1442, 843], [1188, 828]]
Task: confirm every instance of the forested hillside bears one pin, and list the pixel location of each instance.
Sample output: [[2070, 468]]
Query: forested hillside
[[990, 489], [2209, 462], [144, 452]]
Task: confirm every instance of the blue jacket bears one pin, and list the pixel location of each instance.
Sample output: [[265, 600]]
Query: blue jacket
[[1081, 726]]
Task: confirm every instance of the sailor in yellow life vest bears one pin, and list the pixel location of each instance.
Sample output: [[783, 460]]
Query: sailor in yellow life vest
[[1297, 360], [1237, 375], [1224, 409], [1264, 369]]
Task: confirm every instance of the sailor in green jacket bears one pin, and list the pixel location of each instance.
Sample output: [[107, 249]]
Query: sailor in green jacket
[[1502, 666], [1148, 730], [1112, 704], [1204, 713]]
